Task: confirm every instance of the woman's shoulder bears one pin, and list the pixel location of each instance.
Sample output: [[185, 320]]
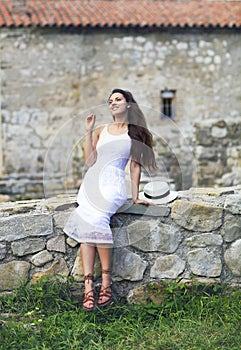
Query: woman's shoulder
[[100, 128]]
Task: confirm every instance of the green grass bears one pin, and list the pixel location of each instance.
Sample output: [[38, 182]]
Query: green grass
[[45, 317]]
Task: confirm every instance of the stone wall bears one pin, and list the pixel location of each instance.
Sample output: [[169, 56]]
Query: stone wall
[[218, 152], [198, 236], [52, 78]]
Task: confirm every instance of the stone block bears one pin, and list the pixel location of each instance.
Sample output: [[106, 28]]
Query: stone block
[[233, 204], [231, 229], [151, 292], [210, 191], [169, 266], [203, 135], [206, 153], [12, 274], [78, 271], [205, 262], [57, 244], [197, 216], [60, 203], [120, 236], [232, 258], [127, 265], [3, 251], [204, 240], [57, 270], [139, 209], [71, 242], [18, 207], [27, 246], [218, 132], [4, 198], [41, 258], [140, 230], [60, 219], [16, 227], [153, 236]]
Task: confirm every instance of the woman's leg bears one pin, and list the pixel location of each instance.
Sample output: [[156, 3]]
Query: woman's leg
[[105, 254], [88, 253]]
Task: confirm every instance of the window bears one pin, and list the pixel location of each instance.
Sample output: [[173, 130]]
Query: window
[[167, 103]]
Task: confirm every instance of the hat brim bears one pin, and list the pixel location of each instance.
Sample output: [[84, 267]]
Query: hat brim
[[172, 195]]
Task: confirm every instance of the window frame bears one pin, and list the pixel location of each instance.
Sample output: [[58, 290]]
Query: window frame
[[168, 103]]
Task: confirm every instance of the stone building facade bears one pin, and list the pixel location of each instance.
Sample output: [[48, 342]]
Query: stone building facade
[[52, 77]]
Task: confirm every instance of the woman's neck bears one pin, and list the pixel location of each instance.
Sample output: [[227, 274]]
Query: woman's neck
[[120, 124], [121, 120]]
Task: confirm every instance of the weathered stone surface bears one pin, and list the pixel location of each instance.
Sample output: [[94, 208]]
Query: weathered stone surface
[[202, 152], [60, 203], [18, 207], [144, 210], [211, 191], [231, 229], [233, 204], [232, 258], [58, 268], [12, 274], [196, 216], [127, 265], [28, 246], [140, 230], [218, 132], [60, 219], [204, 240], [170, 266], [4, 198], [3, 251], [204, 262], [57, 244], [153, 236], [203, 134], [71, 242], [150, 292], [218, 157], [120, 236], [77, 271], [16, 227], [41, 258]]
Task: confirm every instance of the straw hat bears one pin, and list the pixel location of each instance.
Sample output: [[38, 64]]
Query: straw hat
[[157, 192]]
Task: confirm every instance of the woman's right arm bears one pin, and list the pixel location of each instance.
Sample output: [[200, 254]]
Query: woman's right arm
[[91, 139]]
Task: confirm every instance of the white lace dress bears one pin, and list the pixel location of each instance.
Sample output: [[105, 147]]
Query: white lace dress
[[102, 192]]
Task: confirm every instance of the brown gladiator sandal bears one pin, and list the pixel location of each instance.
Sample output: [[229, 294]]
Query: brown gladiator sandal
[[105, 293], [89, 296]]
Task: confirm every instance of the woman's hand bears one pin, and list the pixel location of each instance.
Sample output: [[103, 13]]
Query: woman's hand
[[90, 122], [140, 201]]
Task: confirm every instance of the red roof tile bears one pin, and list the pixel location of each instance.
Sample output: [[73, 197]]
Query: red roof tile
[[116, 13]]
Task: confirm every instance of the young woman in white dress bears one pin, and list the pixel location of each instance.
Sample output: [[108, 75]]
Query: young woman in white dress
[[107, 150]]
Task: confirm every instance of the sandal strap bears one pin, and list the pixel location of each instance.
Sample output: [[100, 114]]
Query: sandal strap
[[106, 292], [106, 272], [89, 277], [88, 297]]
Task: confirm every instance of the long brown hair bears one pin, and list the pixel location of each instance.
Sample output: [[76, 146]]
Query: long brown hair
[[142, 140]]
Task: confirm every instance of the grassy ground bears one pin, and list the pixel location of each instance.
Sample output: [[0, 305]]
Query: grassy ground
[[46, 317]]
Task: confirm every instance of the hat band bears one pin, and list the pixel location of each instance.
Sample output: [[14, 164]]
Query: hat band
[[157, 197]]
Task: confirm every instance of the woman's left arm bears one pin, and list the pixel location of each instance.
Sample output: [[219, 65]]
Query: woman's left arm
[[135, 174]]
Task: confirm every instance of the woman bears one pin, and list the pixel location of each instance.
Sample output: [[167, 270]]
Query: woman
[[107, 150]]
